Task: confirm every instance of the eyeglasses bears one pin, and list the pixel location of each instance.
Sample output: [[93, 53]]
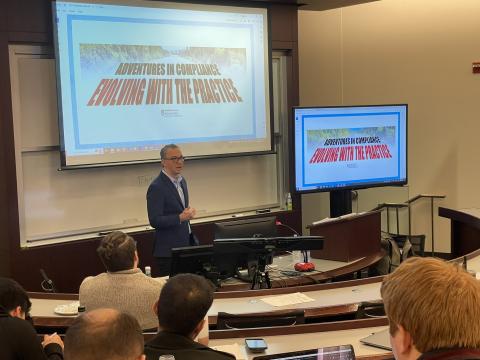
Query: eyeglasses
[[176, 158]]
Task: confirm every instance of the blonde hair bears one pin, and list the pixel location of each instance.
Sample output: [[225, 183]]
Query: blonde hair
[[437, 302]]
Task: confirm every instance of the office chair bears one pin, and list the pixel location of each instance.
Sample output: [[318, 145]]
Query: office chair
[[417, 241], [370, 309]]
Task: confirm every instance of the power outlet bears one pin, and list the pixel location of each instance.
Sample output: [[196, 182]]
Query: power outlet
[[476, 67]]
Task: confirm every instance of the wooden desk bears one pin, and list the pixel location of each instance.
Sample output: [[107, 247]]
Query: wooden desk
[[465, 229], [43, 305], [325, 295], [348, 238], [473, 261], [309, 337], [330, 299], [328, 270]]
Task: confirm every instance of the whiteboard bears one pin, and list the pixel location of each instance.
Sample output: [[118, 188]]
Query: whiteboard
[[54, 205]]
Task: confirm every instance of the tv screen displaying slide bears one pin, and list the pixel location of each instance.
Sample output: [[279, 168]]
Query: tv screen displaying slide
[[134, 76], [350, 147]]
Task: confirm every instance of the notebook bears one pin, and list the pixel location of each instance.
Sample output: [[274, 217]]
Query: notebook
[[342, 352], [379, 339]]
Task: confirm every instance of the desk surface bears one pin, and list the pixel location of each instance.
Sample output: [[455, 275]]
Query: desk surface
[[287, 263], [43, 308], [325, 270], [324, 295], [293, 342], [322, 298]]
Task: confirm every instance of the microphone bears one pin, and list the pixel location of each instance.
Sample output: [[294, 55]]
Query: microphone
[[279, 223], [47, 284], [295, 233]]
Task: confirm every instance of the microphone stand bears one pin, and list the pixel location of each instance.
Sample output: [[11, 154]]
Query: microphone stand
[[295, 233], [47, 284]]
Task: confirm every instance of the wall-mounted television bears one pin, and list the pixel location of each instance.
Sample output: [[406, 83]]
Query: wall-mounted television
[[135, 75], [350, 147]]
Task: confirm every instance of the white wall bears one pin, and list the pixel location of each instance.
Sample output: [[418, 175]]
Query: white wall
[[417, 52]]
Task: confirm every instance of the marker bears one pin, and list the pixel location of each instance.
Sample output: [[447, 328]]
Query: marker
[[237, 215]]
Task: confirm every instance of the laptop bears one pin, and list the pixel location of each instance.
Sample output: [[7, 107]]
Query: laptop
[[379, 339], [342, 352]]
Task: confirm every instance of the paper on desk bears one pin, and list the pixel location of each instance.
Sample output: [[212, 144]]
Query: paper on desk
[[288, 299], [233, 349]]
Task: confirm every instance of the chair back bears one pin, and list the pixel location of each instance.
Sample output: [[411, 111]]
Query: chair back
[[417, 242], [369, 309], [267, 319]]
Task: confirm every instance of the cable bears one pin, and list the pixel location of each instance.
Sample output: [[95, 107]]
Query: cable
[[295, 232]]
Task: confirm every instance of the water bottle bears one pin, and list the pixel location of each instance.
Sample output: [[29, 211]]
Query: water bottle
[[289, 202], [148, 271]]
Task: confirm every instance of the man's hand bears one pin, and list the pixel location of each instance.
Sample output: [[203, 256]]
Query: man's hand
[[52, 339], [187, 214]]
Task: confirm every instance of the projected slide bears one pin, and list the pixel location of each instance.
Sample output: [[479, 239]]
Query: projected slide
[[349, 147], [134, 78]]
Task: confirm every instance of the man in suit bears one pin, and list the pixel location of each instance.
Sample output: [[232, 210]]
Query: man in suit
[[168, 208]]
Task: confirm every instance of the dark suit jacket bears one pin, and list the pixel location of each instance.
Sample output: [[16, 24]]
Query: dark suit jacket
[[164, 207], [18, 340], [182, 348]]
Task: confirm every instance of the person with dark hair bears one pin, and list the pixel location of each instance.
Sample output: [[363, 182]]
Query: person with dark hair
[[168, 209], [181, 308], [18, 339], [104, 334], [123, 287]]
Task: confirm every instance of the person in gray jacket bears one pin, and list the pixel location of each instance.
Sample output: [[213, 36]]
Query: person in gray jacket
[[123, 287]]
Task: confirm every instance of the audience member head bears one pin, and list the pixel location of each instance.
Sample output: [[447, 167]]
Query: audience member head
[[13, 298], [104, 334], [118, 251], [431, 305], [183, 304]]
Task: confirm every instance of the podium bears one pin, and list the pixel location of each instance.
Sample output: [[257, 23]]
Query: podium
[[465, 229], [348, 237]]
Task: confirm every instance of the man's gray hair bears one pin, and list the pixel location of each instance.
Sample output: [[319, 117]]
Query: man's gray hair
[[164, 150]]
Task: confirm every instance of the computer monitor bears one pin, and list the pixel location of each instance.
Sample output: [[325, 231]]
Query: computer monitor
[[247, 228], [194, 260], [266, 245], [254, 254]]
